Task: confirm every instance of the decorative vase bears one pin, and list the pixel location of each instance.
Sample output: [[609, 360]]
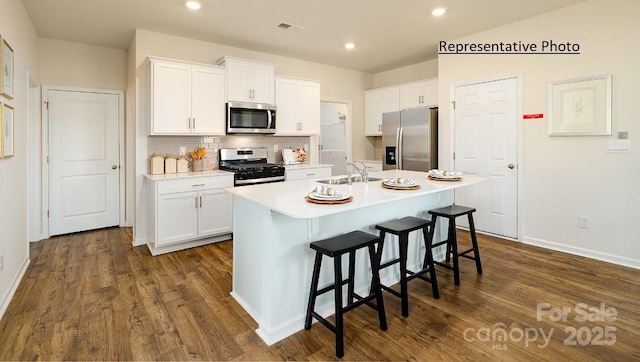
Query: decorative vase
[[198, 165]]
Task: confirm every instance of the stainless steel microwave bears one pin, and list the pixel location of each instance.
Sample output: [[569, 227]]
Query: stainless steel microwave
[[251, 118]]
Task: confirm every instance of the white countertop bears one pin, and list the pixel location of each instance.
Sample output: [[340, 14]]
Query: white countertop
[[288, 199], [175, 176], [303, 166]]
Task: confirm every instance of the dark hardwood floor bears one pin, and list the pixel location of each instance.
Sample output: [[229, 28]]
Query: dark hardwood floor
[[92, 296]]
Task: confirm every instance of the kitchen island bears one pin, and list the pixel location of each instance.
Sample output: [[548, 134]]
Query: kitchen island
[[273, 225]]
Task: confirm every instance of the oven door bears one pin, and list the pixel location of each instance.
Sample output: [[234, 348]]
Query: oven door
[[251, 118]]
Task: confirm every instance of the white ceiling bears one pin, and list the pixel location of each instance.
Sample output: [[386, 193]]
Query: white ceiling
[[387, 33]]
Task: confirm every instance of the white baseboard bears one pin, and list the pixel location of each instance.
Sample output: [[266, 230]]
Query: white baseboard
[[139, 241], [598, 255], [14, 286]]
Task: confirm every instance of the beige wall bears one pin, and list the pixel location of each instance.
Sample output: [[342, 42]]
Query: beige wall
[[64, 63], [16, 28], [565, 177], [423, 70]]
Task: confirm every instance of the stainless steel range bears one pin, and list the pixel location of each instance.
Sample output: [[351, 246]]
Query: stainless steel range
[[250, 166]]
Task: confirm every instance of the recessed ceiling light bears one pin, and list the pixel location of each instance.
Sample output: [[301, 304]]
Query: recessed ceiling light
[[193, 5], [349, 46], [438, 11]]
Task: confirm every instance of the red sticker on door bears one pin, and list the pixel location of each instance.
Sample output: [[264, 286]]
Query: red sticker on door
[[532, 116]]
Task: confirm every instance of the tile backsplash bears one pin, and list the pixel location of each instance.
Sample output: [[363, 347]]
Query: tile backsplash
[[170, 145]]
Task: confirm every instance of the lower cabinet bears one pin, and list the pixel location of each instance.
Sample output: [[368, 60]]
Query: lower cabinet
[[189, 212]]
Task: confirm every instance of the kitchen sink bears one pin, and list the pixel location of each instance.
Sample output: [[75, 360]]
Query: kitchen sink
[[344, 180]]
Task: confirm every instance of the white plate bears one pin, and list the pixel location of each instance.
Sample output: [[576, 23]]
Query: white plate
[[445, 175], [337, 197], [399, 182]]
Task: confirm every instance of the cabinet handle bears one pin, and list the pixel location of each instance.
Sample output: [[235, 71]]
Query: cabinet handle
[[189, 120], [311, 174], [200, 201], [194, 122], [197, 185]]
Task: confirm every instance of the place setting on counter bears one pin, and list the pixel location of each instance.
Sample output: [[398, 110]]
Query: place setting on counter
[[399, 183], [439, 175], [327, 195]]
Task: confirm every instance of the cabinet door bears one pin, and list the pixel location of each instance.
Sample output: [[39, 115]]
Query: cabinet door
[[430, 98], [215, 213], [170, 98], [377, 102], [208, 101], [177, 217], [262, 83], [411, 95], [239, 81], [309, 108], [286, 103]]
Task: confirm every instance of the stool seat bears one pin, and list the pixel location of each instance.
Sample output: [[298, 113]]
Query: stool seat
[[335, 248], [406, 224], [451, 212], [402, 227], [342, 244]]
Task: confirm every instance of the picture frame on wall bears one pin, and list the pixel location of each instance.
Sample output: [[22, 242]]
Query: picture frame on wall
[[7, 128], [6, 69], [580, 107]]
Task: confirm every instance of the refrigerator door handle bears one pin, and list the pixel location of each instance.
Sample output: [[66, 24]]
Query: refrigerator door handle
[[399, 149]]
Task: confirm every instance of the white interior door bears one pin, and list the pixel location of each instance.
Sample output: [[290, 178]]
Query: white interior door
[[486, 144], [84, 172]]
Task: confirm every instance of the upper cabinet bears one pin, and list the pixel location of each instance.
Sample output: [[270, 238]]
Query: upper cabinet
[[298, 107], [186, 98], [376, 102], [419, 94], [248, 81]]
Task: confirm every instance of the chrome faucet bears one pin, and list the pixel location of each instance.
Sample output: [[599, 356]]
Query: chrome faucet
[[364, 173]]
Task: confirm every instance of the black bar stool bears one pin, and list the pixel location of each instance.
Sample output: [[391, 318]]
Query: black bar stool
[[451, 212], [335, 247], [402, 227]]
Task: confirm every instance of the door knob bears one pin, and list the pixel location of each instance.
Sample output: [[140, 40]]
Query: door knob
[[511, 166], [114, 167]]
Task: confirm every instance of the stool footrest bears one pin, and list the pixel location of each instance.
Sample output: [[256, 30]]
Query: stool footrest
[[443, 265], [324, 322], [389, 263], [330, 287]]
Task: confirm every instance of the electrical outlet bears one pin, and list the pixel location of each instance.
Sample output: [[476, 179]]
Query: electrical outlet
[[584, 222], [1, 262], [183, 150], [275, 148]]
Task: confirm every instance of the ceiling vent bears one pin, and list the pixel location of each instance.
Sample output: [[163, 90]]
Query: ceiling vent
[[284, 25]]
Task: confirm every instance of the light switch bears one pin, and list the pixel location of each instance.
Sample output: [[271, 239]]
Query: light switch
[[619, 146]]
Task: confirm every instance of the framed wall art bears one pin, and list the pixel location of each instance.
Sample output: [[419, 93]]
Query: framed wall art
[[580, 107], [6, 69], [6, 141]]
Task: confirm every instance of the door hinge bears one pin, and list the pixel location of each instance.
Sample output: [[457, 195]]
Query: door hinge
[[453, 103], [47, 103], [47, 213], [454, 156], [47, 159]]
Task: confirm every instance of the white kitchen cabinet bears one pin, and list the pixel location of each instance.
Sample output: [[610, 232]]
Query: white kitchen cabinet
[[419, 94], [376, 102], [298, 104], [186, 98], [189, 211], [305, 172], [372, 166], [248, 81]]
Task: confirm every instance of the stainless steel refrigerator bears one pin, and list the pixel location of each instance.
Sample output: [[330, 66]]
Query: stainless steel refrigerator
[[410, 139]]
